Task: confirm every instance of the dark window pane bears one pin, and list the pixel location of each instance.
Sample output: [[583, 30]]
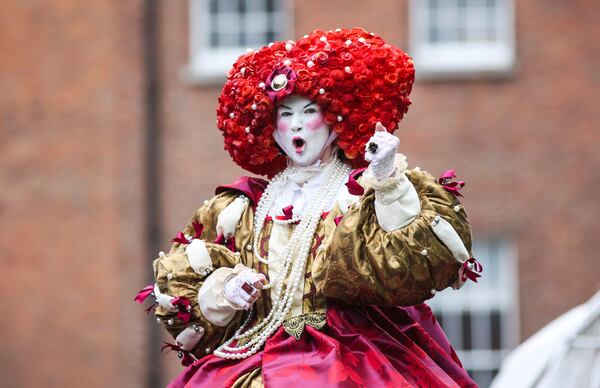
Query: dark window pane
[[462, 34], [461, 23], [496, 330], [490, 35], [255, 39], [242, 38], [213, 7], [228, 40], [434, 34], [466, 327], [214, 39]]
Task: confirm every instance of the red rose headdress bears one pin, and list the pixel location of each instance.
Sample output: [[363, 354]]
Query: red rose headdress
[[355, 76]]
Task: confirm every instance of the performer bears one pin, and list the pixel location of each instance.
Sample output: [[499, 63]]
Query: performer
[[318, 275]]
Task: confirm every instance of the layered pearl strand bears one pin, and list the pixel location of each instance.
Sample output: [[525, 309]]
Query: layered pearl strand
[[294, 256], [293, 220]]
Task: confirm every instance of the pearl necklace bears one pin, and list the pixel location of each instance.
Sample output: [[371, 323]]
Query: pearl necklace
[[295, 256]]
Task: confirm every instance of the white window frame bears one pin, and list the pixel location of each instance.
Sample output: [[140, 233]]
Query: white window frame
[[481, 299], [209, 65], [461, 59]]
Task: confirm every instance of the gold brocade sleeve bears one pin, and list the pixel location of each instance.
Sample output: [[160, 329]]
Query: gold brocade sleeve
[[363, 264], [176, 278]]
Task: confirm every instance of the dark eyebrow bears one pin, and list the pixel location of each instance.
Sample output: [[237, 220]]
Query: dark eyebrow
[[284, 106], [309, 104]]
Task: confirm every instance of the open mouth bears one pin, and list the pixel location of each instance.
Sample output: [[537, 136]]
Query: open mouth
[[298, 143]]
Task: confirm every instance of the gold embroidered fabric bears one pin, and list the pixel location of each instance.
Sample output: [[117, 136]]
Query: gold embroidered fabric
[[363, 264], [251, 379], [295, 326], [175, 277], [355, 261]]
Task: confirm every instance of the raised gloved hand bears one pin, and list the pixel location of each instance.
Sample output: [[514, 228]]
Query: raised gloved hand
[[244, 288], [380, 152]]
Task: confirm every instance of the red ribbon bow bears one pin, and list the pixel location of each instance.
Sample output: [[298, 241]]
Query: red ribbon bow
[[180, 238], [471, 271], [354, 187], [288, 213], [151, 308], [185, 308], [451, 186], [143, 295], [186, 357], [229, 243]]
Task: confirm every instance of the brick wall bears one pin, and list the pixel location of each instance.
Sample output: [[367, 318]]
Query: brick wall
[[70, 203]]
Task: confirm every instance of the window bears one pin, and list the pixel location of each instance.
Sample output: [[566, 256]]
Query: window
[[221, 30], [481, 319], [462, 37]]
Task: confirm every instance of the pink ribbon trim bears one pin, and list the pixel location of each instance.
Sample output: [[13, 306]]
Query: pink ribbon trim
[[144, 293], [186, 357], [288, 213], [354, 187], [151, 308], [229, 243], [181, 239], [451, 186], [468, 273], [185, 308], [198, 229]]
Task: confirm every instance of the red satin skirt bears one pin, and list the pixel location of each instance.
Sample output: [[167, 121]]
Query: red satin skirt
[[364, 346]]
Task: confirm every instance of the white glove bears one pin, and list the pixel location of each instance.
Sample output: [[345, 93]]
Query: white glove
[[244, 288], [380, 152]]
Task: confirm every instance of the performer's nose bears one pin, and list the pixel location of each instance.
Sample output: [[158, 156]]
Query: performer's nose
[[296, 124]]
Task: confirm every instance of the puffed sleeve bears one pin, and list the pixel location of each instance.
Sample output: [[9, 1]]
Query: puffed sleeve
[[365, 263], [182, 273]]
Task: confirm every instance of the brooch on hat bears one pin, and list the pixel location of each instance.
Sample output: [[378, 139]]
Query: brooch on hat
[[280, 83]]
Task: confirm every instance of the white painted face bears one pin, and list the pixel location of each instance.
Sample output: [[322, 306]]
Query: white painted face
[[301, 130]]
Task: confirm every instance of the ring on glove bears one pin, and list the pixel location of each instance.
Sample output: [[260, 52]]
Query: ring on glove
[[372, 147], [248, 288]]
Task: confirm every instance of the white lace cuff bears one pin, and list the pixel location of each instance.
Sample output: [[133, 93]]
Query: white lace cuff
[[396, 200], [213, 304]]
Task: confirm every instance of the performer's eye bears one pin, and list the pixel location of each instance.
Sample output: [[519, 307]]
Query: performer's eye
[[286, 114], [310, 110]]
